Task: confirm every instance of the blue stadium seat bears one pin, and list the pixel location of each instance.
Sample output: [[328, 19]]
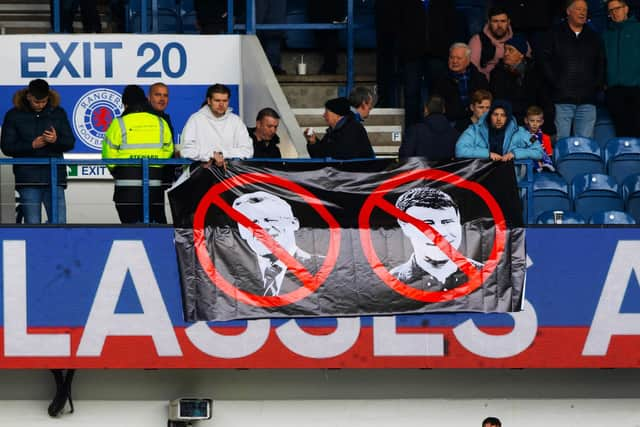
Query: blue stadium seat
[[575, 156], [611, 217], [568, 217], [631, 196], [622, 157], [550, 192], [594, 192]]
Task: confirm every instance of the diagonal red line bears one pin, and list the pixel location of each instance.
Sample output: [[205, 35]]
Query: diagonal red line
[[283, 255], [460, 260]]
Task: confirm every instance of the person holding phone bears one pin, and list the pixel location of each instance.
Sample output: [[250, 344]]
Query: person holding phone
[[37, 127]]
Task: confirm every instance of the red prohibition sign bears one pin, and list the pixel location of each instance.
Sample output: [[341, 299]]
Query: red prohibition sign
[[475, 277], [309, 282]]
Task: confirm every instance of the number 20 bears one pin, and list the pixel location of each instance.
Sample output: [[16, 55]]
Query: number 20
[[156, 53]]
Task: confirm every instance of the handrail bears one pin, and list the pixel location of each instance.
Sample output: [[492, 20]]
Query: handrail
[[146, 163]]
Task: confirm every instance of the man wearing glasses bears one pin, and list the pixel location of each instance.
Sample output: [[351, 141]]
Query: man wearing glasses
[[622, 48], [273, 215]]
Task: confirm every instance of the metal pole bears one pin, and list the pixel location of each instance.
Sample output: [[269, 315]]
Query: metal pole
[[145, 190], [229, 16], [251, 17], [56, 16], [144, 25], [350, 45], [154, 16], [53, 164]]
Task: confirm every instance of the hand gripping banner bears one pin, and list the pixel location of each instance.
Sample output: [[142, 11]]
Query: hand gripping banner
[[268, 240]]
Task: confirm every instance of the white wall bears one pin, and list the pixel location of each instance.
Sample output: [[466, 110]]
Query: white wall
[[337, 398]]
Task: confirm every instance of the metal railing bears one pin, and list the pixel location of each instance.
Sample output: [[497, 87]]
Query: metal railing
[[250, 26], [526, 183]]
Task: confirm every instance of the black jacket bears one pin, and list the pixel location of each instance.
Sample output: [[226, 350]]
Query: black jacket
[[22, 125], [417, 31], [447, 87], [573, 67], [433, 139], [265, 149], [348, 140], [531, 15], [523, 91]]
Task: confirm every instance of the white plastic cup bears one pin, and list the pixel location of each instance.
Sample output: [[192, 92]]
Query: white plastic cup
[[557, 217], [302, 69]]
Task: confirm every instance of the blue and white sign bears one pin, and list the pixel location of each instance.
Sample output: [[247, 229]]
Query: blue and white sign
[[90, 71]]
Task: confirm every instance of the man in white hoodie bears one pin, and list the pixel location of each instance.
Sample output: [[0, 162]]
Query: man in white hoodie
[[214, 133]]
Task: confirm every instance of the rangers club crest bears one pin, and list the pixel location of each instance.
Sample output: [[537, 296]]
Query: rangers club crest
[[93, 114]]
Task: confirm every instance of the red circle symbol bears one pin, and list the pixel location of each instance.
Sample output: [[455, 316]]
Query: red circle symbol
[[310, 283], [475, 276]]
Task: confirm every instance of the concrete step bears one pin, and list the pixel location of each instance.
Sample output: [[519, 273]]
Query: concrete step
[[312, 91], [364, 61], [384, 127], [34, 17]]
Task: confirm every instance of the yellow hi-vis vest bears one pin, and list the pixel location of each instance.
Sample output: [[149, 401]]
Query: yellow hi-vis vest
[[137, 136]]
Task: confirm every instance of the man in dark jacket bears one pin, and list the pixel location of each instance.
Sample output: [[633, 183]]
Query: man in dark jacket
[[37, 127], [622, 47], [434, 138], [517, 80], [264, 136], [573, 65], [423, 33], [462, 79], [346, 138]]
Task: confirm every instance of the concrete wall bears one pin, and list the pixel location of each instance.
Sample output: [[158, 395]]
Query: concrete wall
[[349, 398]]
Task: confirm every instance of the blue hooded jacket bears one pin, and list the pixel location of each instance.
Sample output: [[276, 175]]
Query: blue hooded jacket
[[474, 142]]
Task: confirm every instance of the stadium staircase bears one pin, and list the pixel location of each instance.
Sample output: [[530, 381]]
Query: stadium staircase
[[33, 17], [307, 95]]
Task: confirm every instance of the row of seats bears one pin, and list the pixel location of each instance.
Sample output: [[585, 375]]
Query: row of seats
[[588, 194], [619, 158], [570, 217]]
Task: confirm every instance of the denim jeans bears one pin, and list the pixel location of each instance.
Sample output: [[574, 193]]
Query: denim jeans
[[31, 200], [581, 116]]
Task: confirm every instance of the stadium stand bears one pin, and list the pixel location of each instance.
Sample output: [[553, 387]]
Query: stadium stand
[[611, 217], [631, 195], [594, 192], [575, 156], [550, 192], [553, 217], [622, 157]]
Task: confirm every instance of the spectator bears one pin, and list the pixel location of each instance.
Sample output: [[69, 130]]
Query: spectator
[[362, 101], [37, 127], [491, 422], [531, 18], [345, 138], [516, 79], [272, 12], [462, 79], [211, 16], [497, 137], [137, 134], [158, 97], [118, 12], [480, 103], [573, 65], [325, 12], [264, 136], [434, 138], [387, 21], [534, 122], [487, 47], [88, 13], [214, 132], [622, 47]]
